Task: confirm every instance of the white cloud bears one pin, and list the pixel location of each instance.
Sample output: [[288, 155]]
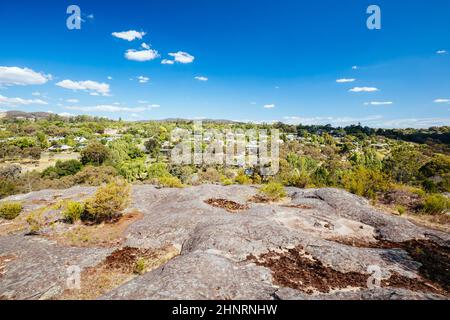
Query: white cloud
[[336, 121], [364, 89], [201, 78], [375, 121], [166, 61], [36, 94], [412, 123], [72, 100], [182, 57], [106, 108], [21, 76], [269, 106], [129, 35], [379, 103], [142, 55], [20, 101], [143, 79], [66, 114], [355, 68], [145, 46], [442, 100], [149, 106], [441, 52], [110, 78], [345, 80], [95, 88]]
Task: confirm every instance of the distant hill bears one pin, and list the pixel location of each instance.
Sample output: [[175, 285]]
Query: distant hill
[[14, 114]]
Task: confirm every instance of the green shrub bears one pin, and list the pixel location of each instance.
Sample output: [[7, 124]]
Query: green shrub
[[133, 170], [400, 209], [365, 182], [95, 153], [36, 221], [242, 178], [158, 170], [108, 202], [273, 191], [436, 204], [10, 210], [7, 187], [62, 169], [170, 182], [226, 181], [73, 211], [140, 266], [95, 176]]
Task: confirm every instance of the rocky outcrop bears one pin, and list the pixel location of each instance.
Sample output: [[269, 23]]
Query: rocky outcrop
[[316, 244]]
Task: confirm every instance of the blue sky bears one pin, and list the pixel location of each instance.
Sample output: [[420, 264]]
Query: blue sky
[[240, 60]]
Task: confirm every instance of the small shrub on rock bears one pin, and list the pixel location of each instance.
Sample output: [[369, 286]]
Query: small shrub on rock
[[273, 191], [242, 178], [73, 211], [10, 210], [170, 182], [436, 204], [108, 202], [36, 222], [140, 266]]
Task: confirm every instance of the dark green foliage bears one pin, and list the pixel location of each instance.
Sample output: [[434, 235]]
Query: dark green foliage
[[95, 153], [62, 169]]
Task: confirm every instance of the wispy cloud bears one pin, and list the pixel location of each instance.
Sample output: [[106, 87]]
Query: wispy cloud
[[95, 88], [375, 121], [72, 100], [182, 57], [441, 52], [129, 35], [65, 114], [201, 78], [442, 101], [143, 79], [20, 101], [336, 121], [345, 80], [378, 103], [167, 61], [106, 108], [364, 89], [269, 106], [22, 76]]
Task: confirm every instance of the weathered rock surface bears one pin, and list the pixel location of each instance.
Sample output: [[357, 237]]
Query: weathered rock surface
[[340, 232]]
